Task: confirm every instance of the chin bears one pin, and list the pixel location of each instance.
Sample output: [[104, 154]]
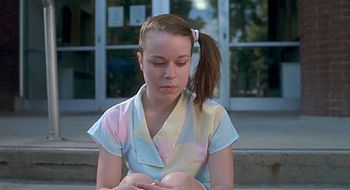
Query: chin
[[169, 96]]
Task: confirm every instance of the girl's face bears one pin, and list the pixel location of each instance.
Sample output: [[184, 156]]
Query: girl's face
[[165, 63]]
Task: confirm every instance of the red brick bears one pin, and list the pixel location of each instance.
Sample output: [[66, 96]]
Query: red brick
[[9, 31], [325, 30]]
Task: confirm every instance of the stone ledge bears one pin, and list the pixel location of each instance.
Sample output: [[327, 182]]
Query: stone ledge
[[252, 166]]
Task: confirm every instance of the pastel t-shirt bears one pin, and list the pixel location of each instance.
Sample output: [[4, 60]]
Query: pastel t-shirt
[[183, 143]]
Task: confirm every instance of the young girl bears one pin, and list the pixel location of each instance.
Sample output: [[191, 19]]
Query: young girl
[[169, 137]]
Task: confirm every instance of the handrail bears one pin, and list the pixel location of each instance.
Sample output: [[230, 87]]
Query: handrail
[[51, 69]]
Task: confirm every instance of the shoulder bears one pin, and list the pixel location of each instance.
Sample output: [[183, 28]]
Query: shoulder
[[121, 107], [121, 110], [207, 120], [211, 109], [211, 114]]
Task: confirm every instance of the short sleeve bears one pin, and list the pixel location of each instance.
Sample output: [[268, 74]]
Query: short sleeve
[[224, 135], [104, 135]]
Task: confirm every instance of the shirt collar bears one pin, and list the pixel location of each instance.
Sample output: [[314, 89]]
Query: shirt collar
[[146, 152], [146, 147]]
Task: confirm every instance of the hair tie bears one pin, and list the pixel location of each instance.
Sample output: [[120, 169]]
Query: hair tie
[[195, 34]]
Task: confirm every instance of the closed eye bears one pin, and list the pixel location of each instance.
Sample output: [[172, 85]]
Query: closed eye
[[158, 63], [181, 64]]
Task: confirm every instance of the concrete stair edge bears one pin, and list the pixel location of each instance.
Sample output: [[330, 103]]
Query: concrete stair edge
[[252, 166]]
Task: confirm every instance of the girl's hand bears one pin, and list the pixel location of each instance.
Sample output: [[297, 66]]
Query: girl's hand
[[127, 187], [154, 186]]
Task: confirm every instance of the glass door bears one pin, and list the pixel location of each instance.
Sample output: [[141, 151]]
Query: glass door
[[264, 55], [96, 42], [118, 22], [210, 17], [97, 39], [75, 30], [117, 38]]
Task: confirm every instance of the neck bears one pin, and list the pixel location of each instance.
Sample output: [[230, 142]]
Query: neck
[[156, 105]]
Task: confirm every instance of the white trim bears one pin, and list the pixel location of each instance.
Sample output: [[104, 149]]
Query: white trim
[[100, 53], [223, 11], [264, 104], [264, 44], [129, 46]]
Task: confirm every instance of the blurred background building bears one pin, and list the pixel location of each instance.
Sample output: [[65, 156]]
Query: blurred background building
[[278, 55]]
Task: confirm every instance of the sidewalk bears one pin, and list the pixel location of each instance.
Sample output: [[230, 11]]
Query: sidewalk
[[261, 130], [274, 148], [42, 185]]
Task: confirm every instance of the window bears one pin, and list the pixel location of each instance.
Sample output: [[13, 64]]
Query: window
[[263, 36]]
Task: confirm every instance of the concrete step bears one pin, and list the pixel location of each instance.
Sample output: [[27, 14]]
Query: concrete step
[[44, 185], [252, 167]]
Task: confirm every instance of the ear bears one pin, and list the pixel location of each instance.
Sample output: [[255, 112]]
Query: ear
[[139, 59]]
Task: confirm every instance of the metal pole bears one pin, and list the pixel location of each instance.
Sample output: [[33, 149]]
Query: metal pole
[[51, 69]]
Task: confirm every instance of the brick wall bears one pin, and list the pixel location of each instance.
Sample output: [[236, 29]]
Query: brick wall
[[9, 49], [325, 57]]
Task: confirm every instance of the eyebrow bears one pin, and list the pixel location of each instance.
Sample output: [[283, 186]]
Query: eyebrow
[[161, 57], [182, 56], [157, 56]]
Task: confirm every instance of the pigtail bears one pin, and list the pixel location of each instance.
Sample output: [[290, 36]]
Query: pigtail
[[207, 73]]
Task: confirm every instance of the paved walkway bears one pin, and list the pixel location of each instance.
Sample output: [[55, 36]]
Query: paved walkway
[[44, 185], [260, 130]]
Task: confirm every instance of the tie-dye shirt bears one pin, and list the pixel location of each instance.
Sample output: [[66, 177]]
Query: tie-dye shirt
[[182, 144]]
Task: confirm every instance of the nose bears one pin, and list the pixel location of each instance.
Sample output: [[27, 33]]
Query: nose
[[170, 71]]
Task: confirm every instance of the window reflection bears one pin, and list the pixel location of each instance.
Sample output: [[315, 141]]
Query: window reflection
[[34, 27], [263, 20], [35, 78], [202, 14], [75, 22], [125, 32], [255, 72], [123, 75], [76, 74]]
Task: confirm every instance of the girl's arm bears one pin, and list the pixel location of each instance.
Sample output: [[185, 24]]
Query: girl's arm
[[221, 169], [109, 170]]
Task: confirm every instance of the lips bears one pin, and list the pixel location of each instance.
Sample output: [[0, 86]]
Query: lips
[[168, 86]]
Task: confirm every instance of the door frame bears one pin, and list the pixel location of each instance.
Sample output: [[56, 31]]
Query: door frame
[[158, 7], [224, 98], [101, 102]]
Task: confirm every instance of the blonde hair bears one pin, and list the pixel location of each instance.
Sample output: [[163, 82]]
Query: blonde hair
[[207, 72]]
